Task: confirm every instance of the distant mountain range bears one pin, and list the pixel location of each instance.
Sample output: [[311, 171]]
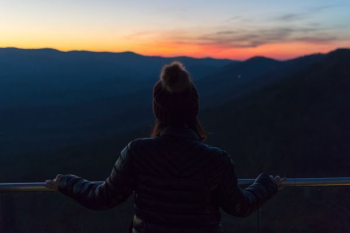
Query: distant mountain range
[[50, 98], [46, 76]]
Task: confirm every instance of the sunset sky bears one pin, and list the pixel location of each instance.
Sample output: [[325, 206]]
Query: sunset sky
[[198, 28]]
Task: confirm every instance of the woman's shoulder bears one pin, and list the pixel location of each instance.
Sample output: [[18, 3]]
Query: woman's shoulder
[[215, 151], [139, 142]]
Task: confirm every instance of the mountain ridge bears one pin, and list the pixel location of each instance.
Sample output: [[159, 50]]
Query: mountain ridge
[[16, 49], [166, 57]]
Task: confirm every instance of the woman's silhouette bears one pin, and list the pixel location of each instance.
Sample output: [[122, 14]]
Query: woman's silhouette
[[179, 182]]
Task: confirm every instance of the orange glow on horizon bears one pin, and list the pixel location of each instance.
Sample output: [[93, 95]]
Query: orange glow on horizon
[[281, 51]]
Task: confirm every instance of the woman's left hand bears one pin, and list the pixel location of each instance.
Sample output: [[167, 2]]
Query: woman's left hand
[[281, 183], [53, 184]]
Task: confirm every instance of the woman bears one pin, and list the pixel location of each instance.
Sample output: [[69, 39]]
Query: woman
[[179, 182]]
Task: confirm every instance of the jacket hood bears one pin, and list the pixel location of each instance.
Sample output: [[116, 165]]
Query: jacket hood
[[184, 132]]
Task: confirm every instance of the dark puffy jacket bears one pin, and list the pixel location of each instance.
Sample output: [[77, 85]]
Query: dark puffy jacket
[[179, 185]]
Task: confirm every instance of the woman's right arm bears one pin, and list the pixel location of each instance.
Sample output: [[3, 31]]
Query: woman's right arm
[[241, 203], [112, 192]]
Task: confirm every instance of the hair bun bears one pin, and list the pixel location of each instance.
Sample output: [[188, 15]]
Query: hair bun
[[175, 77]]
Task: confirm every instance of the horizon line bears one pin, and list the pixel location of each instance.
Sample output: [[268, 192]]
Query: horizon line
[[139, 54]]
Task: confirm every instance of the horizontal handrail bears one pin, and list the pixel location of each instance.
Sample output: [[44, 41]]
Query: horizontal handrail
[[307, 182], [294, 182]]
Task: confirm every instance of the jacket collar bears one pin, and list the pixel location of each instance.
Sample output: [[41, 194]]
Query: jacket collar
[[180, 131]]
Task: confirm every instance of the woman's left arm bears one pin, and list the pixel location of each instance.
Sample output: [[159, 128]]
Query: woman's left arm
[[112, 192]]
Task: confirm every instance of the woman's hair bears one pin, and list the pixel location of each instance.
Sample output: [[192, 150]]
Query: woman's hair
[[176, 100], [175, 78], [196, 126]]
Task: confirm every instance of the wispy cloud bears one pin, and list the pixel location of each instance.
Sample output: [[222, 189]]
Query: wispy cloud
[[291, 17], [139, 34], [321, 8], [248, 32], [233, 18], [305, 14], [250, 38], [225, 32]]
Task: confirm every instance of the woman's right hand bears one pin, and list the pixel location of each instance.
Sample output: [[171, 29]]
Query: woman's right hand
[[281, 183], [53, 184]]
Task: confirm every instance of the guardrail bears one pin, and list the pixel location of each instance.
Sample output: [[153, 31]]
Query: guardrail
[[294, 182]]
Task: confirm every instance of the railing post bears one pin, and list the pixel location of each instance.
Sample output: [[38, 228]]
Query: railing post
[[8, 214], [2, 228], [258, 221]]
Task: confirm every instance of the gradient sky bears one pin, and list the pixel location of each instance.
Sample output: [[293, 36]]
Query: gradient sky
[[198, 28]]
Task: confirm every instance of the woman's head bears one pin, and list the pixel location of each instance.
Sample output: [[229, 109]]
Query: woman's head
[[176, 100]]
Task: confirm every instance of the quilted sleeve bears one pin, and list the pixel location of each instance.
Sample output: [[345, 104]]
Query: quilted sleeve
[[241, 203], [112, 192]]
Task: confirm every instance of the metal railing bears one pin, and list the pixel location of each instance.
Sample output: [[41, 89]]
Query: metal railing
[[294, 182]]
